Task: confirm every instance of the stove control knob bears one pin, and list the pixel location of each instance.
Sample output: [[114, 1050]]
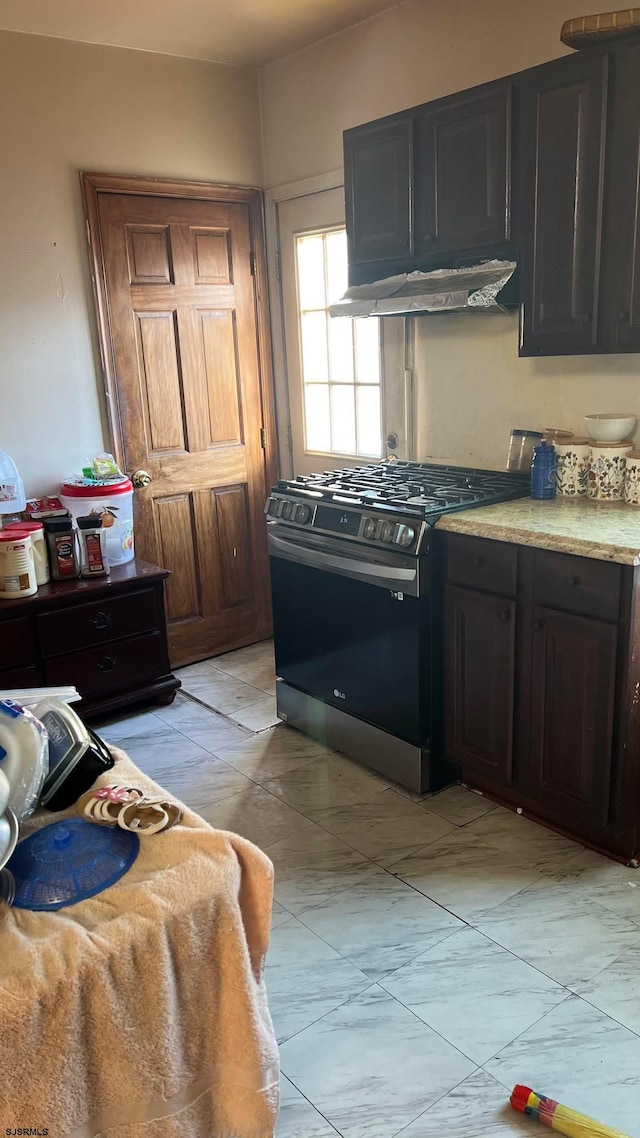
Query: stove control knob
[[275, 507], [369, 528], [404, 535], [386, 531], [303, 513], [287, 509]]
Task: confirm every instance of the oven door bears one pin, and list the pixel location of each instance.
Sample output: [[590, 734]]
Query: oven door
[[351, 627]]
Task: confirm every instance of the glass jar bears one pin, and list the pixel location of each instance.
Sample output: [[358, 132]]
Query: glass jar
[[521, 444]]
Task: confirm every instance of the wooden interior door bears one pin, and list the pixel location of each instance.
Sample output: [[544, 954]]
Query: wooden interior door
[[179, 313]]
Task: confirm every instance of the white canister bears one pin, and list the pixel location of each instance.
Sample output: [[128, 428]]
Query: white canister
[[572, 464], [632, 478], [605, 477], [38, 542], [17, 569]]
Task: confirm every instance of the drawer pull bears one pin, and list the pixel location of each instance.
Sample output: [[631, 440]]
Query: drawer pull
[[538, 625], [573, 582], [106, 665], [101, 620], [503, 615], [479, 561]]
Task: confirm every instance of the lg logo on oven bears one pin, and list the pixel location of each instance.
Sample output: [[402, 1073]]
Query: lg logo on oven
[[339, 694]]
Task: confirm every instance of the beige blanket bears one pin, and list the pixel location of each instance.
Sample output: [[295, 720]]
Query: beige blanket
[[142, 1011]]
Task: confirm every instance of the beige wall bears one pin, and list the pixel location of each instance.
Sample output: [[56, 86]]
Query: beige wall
[[471, 386], [66, 107]]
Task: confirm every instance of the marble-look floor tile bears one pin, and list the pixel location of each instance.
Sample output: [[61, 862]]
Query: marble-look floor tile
[[259, 675], [570, 940], [475, 994], [458, 805], [465, 875], [387, 828], [257, 816], [116, 727], [306, 978], [328, 782], [616, 990], [201, 724], [380, 924], [258, 715], [542, 849], [258, 655], [279, 915], [201, 781], [157, 747], [477, 1108], [580, 1057], [596, 878], [311, 866], [371, 1067], [271, 753], [217, 690], [298, 1118]]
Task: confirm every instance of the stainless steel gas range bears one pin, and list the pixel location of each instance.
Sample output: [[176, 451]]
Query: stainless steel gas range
[[356, 585]]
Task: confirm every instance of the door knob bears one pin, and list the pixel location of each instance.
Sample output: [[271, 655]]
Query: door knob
[[140, 479]]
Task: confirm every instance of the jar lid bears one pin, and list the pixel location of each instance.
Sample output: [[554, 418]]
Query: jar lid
[[575, 440], [92, 521], [634, 454], [610, 446], [521, 433], [14, 535], [557, 432], [27, 527], [100, 490]]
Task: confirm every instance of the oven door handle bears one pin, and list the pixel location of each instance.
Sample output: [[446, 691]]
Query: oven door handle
[[394, 577]]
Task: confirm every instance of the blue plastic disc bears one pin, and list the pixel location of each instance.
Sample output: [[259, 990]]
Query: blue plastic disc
[[69, 861]]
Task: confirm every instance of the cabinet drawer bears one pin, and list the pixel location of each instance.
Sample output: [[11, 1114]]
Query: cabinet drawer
[[577, 584], [26, 677], [481, 564], [119, 665], [97, 623], [16, 643]]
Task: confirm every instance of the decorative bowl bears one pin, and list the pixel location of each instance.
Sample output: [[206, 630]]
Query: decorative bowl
[[610, 428]]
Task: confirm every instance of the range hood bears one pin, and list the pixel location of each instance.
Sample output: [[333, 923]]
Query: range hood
[[473, 289]]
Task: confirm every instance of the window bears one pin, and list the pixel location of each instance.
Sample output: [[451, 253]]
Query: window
[[340, 357]]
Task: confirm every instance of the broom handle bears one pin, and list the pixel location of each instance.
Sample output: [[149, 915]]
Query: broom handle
[[558, 1117]]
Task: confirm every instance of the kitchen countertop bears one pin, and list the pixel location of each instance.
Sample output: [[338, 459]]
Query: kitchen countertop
[[607, 531]]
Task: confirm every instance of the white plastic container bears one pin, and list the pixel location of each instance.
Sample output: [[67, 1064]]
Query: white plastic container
[[83, 500], [17, 568], [40, 556], [12, 499]]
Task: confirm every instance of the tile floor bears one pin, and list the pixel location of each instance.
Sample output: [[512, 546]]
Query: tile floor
[[426, 953]]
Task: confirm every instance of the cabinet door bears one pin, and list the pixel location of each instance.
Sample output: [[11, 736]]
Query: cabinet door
[[621, 286], [479, 635], [572, 700], [378, 162], [562, 124], [463, 161]]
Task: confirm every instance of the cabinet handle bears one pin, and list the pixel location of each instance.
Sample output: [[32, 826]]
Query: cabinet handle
[[479, 561], [538, 625], [106, 665], [573, 582], [101, 620], [503, 615]]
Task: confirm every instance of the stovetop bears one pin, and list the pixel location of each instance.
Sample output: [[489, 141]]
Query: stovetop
[[412, 488]]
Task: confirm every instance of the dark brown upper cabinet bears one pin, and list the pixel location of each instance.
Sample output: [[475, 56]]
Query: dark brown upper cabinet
[[463, 173], [621, 243], [562, 123], [378, 171]]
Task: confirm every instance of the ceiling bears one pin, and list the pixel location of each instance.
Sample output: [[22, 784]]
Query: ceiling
[[240, 32]]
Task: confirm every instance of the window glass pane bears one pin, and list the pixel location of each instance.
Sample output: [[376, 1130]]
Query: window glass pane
[[311, 271], [368, 349], [317, 417], [341, 349], [315, 366], [369, 426], [343, 420], [337, 274]]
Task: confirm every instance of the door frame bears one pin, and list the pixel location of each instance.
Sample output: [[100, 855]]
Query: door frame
[[92, 185]]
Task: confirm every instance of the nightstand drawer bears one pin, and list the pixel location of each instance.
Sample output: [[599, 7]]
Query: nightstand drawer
[[16, 643], [120, 664], [99, 622]]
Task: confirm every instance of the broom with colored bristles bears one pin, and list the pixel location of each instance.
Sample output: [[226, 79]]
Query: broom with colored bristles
[[559, 1117]]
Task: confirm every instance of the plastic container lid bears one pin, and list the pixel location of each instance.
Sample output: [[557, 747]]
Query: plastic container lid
[[100, 490], [69, 861], [17, 534], [27, 527]]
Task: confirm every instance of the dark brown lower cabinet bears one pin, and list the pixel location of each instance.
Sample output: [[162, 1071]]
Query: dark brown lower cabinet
[[540, 688], [479, 661], [573, 677]]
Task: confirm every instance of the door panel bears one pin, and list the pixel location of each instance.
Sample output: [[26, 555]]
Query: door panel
[[479, 669], [184, 340], [572, 700], [563, 116]]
